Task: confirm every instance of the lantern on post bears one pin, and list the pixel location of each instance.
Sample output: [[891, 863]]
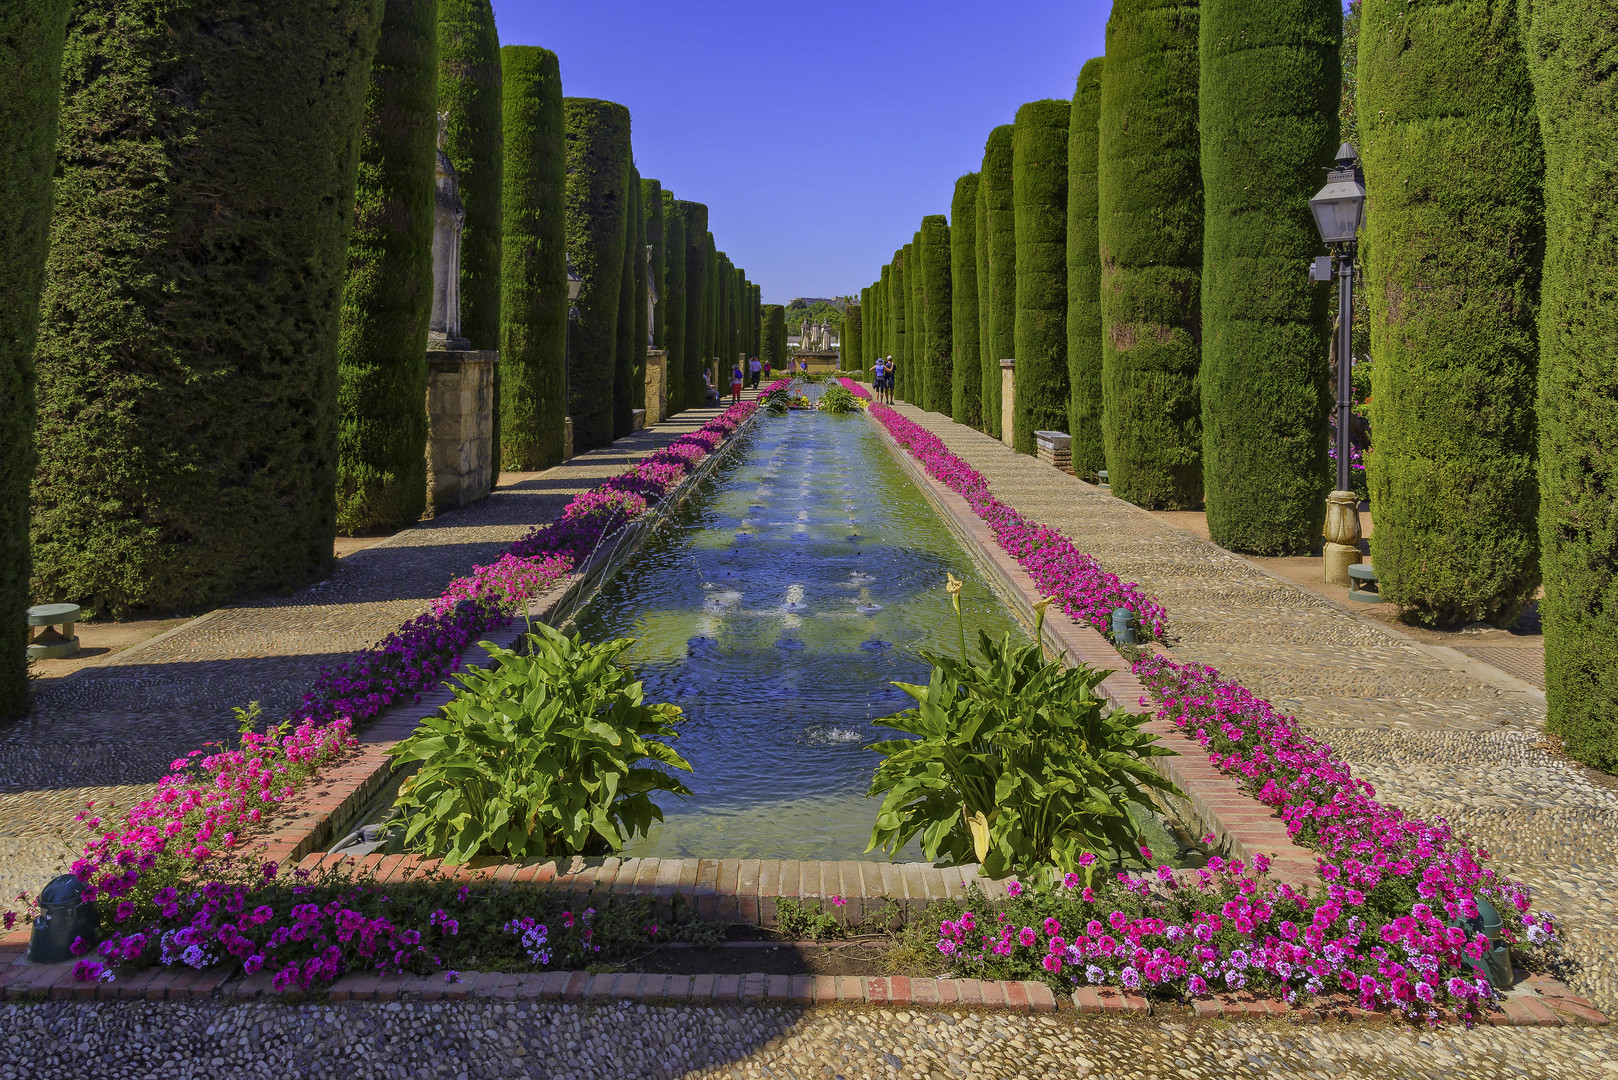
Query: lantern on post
[[1339, 212]]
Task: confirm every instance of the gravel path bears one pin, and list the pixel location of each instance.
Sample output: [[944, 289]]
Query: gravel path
[[465, 1040], [109, 732], [1438, 733]]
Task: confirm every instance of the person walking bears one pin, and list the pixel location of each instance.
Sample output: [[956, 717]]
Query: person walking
[[736, 383], [876, 377], [887, 380], [757, 370]]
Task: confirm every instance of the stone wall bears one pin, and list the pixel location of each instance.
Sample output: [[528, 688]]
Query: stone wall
[[460, 421]]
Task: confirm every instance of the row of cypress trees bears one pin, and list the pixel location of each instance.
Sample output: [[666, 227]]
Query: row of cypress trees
[[1165, 320], [218, 275]]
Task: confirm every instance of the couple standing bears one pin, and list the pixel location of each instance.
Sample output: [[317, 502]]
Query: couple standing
[[882, 378]]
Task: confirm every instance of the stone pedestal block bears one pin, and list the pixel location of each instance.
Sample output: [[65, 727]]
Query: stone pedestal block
[[460, 426], [567, 438], [637, 420], [1342, 533], [657, 367], [1008, 399]]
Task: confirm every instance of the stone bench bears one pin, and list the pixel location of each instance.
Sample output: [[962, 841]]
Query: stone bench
[[1362, 583], [57, 639]]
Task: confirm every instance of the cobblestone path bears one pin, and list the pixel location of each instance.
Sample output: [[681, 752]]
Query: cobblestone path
[[1436, 732], [109, 732], [465, 1040]]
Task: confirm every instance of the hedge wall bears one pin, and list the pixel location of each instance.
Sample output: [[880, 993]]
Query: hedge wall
[[1454, 240], [885, 307], [1039, 203], [1000, 235], [533, 277], [1570, 49], [31, 65], [774, 347], [912, 373], [898, 293], [710, 306], [1150, 198], [988, 367], [937, 307], [388, 297], [1268, 101], [696, 299], [643, 312], [470, 90], [674, 302], [630, 352], [851, 343], [653, 212], [966, 366], [1084, 275], [187, 350], [597, 180]]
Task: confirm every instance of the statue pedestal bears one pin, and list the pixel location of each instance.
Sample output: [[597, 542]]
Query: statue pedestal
[[1008, 399], [460, 426], [567, 438], [656, 384], [1342, 532]]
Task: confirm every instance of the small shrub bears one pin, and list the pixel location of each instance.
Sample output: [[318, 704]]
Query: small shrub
[[539, 755]]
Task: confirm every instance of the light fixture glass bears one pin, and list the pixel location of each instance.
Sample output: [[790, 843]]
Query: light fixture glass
[[1339, 207]]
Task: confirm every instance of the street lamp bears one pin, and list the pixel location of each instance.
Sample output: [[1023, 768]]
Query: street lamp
[[574, 284], [1339, 211]]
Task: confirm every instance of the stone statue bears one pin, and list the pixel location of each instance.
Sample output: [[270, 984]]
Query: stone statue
[[651, 299], [444, 328]]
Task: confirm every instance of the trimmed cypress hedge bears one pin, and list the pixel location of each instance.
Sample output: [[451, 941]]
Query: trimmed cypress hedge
[[187, 350], [674, 302], [597, 180], [988, 369], [31, 38], [912, 377], [1039, 201], [884, 305], [1454, 239], [629, 354], [867, 341], [388, 297], [1000, 232], [966, 371], [1150, 211], [652, 216], [1268, 101], [696, 302], [710, 309], [937, 306], [851, 342], [898, 310], [533, 277], [1570, 46], [1084, 275], [470, 90], [643, 313], [774, 333]]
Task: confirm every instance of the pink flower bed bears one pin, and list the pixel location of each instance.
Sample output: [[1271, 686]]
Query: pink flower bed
[[1381, 929]]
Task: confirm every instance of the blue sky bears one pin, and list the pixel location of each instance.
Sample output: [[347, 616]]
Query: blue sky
[[818, 134]]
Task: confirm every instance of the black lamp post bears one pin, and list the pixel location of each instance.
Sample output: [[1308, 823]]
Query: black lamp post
[[1339, 210], [574, 284]]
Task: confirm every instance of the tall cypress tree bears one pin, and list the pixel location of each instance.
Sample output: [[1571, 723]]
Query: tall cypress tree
[[1150, 198], [31, 39], [597, 179], [1268, 101], [1084, 275], [388, 296], [187, 349], [652, 214], [533, 277], [864, 357], [643, 311], [1000, 231], [897, 294], [851, 342], [710, 307], [696, 299], [1039, 201], [885, 291], [630, 351], [675, 301], [912, 380], [774, 347], [1570, 49], [938, 313], [966, 370], [988, 366], [470, 91], [1454, 241]]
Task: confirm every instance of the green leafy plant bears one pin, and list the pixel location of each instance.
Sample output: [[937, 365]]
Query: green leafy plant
[[1017, 763], [806, 922], [545, 753], [836, 399], [776, 402]]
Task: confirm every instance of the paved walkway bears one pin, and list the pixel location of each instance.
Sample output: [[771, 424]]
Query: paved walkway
[[108, 732], [1437, 732]]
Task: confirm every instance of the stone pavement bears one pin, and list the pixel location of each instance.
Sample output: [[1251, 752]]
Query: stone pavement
[[1438, 733], [108, 732]]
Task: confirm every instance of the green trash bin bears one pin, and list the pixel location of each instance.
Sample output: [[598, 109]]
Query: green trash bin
[[1496, 963]]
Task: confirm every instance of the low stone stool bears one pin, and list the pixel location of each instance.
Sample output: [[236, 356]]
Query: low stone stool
[[1362, 584], [56, 640]]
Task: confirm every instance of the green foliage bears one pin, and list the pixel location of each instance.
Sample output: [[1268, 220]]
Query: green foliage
[[999, 235], [533, 306], [1017, 764], [912, 376], [1454, 241], [187, 350], [867, 348], [673, 302], [966, 365], [388, 296], [773, 354], [1039, 205], [806, 922], [851, 342], [696, 297], [1084, 274], [630, 351], [539, 755], [31, 37], [898, 294], [652, 213], [641, 339], [1268, 98], [598, 163], [1150, 212], [777, 402], [470, 90], [837, 399], [1570, 50], [935, 365], [988, 366]]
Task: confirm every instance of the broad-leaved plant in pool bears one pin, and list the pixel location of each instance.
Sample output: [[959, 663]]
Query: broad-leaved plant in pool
[[836, 399], [1017, 763], [550, 751]]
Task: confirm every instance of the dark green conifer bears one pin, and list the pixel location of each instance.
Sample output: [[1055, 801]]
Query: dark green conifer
[[676, 302], [1001, 236], [1039, 202], [966, 369], [936, 366], [1084, 276], [470, 91]]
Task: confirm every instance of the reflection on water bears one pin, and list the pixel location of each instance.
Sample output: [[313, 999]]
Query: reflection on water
[[776, 609]]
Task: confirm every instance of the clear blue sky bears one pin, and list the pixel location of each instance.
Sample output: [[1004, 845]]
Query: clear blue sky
[[818, 134]]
